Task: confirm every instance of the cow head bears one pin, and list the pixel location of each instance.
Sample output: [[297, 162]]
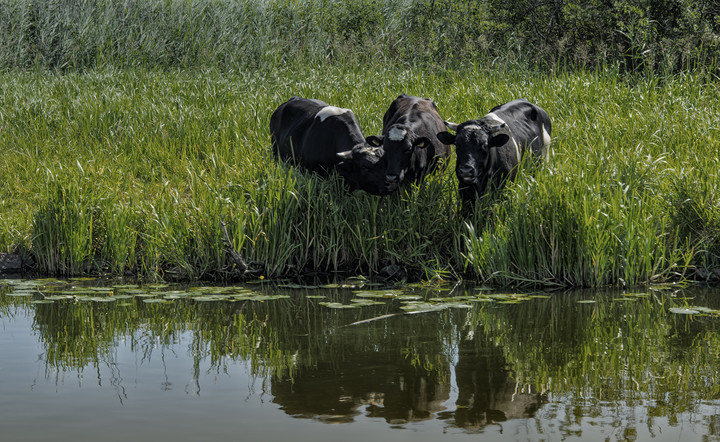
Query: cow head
[[363, 167], [403, 148], [474, 141]]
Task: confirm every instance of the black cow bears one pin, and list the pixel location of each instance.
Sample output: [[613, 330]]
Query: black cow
[[489, 149], [409, 139], [322, 138]]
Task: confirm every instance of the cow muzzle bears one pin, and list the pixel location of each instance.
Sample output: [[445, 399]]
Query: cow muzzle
[[392, 179], [467, 174]]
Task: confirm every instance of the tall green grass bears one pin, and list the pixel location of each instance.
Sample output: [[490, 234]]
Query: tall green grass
[[132, 171]]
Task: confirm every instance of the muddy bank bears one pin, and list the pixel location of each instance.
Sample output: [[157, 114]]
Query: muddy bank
[[11, 263]]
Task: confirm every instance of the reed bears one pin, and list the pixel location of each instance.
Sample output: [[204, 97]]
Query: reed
[[132, 171], [635, 36]]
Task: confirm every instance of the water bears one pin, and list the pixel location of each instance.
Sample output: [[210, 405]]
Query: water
[[115, 362]]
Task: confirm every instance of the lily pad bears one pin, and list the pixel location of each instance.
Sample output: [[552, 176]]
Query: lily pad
[[259, 297], [156, 301], [209, 298], [365, 301], [417, 307], [211, 290], [101, 299], [177, 294], [377, 293], [338, 305], [684, 311], [457, 305], [409, 297], [58, 297], [21, 293]]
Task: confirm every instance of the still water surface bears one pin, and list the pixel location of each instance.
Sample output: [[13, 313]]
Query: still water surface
[[261, 362]]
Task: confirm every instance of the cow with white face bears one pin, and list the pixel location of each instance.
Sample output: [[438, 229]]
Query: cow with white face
[[490, 149], [409, 139], [322, 138]]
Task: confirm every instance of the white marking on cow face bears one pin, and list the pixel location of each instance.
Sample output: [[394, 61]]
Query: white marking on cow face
[[330, 111], [472, 127], [494, 119], [546, 144], [369, 150], [397, 134]]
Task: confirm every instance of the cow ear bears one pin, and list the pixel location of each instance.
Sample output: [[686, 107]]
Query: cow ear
[[446, 138], [342, 156], [422, 143], [499, 140], [374, 140]]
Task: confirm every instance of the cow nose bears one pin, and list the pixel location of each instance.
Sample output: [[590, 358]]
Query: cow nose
[[467, 172], [392, 179]]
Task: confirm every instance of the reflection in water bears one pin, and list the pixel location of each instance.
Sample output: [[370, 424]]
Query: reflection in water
[[487, 392], [383, 384], [566, 364]]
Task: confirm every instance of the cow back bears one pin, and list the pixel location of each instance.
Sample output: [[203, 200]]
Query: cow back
[[529, 124], [289, 125]]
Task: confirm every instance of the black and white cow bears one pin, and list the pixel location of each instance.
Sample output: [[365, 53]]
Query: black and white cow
[[409, 139], [322, 138], [489, 149]]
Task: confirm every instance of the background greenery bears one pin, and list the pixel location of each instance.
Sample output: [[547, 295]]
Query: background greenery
[[635, 35], [130, 130]]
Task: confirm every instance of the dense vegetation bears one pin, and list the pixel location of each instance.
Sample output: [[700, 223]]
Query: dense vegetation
[[124, 144], [635, 35]]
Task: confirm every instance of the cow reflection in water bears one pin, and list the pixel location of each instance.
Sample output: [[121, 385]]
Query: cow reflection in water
[[385, 385], [487, 391], [379, 384]]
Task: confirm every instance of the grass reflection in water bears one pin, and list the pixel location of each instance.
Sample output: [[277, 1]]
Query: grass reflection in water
[[467, 357]]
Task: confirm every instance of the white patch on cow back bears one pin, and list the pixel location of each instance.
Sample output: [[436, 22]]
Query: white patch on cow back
[[546, 144], [493, 118], [330, 111], [397, 134]]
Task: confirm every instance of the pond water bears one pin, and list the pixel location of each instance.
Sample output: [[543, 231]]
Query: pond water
[[101, 360]]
